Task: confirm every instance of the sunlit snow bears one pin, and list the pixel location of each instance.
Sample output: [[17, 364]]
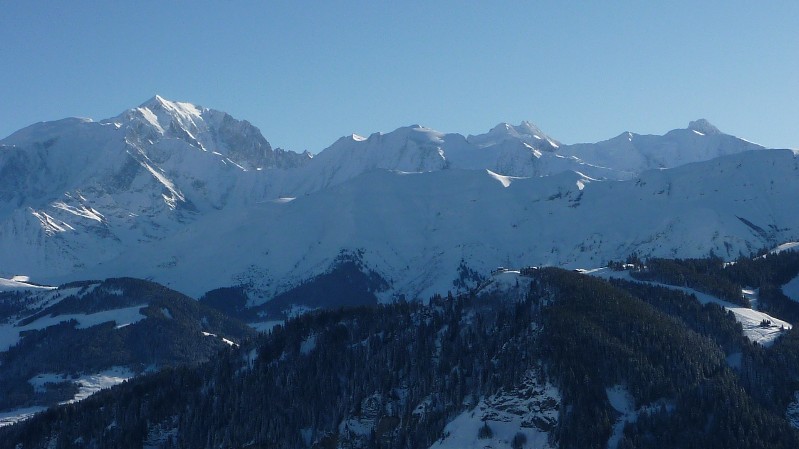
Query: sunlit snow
[[88, 384]]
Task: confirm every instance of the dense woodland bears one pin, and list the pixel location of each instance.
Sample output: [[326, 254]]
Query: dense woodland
[[303, 383], [766, 272]]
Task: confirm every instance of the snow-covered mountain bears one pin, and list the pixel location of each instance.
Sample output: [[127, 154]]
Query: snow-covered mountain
[[509, 150], [416, 229], [634, 153], [76, 192], [195, 199]]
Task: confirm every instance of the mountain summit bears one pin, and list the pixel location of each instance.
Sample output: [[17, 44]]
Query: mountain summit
[[208, 130], [525, 132], [703, 126]]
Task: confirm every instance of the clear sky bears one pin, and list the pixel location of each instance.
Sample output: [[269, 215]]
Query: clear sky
[[308, 72]]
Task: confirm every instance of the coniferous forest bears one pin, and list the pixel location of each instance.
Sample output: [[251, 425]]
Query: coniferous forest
[[393, 376]]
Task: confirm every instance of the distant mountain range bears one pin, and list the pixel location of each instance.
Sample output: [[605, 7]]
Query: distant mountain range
[[197, 200]]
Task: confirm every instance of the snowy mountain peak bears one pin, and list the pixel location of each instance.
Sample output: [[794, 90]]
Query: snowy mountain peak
[[213, 132], [169, 117], [525, 132], [525, 128], [160, 103], [703, 126], [153, 102]]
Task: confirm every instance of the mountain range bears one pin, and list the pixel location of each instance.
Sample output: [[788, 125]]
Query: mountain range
[[198, 226], [197, 200]]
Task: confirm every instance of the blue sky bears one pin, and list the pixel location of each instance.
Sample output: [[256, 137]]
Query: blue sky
[[307, 73]]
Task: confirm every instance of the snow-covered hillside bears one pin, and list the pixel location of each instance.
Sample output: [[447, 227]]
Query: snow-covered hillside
[[521, 417], [195, 199]]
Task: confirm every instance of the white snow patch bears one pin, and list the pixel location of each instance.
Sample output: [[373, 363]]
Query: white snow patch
[[50, 225], [88, 384], [92, 383], [151, 118], [787, 246], [504, 180], [758, 327], [167, 313], [166, 182], [224, 340], [522, 411], [14, 416], [20, 283], [83, 211]]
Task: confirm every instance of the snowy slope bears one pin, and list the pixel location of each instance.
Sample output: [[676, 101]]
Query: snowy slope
[[787, 246], [527, 413], [197, 200], [20, 284], [415, 229]]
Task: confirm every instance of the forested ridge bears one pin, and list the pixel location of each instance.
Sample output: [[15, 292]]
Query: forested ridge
[[766, 272], [404, 370], [169, 334]]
